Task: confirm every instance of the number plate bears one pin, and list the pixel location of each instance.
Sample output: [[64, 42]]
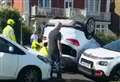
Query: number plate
[[88, 65]]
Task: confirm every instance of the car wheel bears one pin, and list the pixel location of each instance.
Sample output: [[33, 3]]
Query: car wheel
[[115, 76], [90, 28], [30, 75]]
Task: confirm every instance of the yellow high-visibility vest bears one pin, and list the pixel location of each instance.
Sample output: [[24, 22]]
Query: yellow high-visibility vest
[[36, 45], [44, 51], [8, 32]]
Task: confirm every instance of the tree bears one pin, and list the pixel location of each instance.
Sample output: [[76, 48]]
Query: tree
[[5, 14]]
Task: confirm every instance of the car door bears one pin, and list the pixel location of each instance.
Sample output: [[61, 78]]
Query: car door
[[8, 59]]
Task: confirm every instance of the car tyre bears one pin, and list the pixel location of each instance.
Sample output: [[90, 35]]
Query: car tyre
[[90, 28], [115, 75], [30, 75]]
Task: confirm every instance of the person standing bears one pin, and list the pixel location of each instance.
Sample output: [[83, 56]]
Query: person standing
[[54, 49], [34, 36], [8, 31]]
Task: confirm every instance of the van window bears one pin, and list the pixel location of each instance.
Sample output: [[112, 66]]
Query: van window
[[4, 47]]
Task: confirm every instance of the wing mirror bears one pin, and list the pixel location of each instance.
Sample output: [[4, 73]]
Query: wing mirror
[[11, 49]]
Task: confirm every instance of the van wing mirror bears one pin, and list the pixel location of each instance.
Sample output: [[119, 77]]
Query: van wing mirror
[[11, 49]]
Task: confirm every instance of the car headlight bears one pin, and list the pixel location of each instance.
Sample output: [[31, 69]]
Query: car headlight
[[103, 63], [44, 59]]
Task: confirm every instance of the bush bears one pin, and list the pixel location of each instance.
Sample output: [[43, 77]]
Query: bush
[[105, 38]]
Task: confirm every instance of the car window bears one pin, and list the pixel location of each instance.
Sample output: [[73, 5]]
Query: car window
[[4, 47], [115, 46]]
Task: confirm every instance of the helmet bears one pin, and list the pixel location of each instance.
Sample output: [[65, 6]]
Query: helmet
[[10, 22]]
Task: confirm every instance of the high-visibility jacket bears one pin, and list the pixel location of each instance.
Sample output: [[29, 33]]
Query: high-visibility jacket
[[36, 45], [8, 32], [44, 51]]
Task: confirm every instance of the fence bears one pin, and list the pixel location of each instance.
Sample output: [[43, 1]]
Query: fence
[[67, 12]]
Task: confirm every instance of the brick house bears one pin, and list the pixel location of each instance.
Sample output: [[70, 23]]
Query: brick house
[[89, 6], [100, 9], [18, 5], [85, 7]]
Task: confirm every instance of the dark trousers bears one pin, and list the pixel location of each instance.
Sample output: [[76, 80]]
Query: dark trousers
[[56, 66]]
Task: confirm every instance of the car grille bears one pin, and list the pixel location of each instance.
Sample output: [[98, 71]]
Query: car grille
[[85, 70], [68, 50]]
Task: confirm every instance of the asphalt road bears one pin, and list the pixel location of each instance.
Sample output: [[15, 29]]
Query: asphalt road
[[71, 77], [67, 77]]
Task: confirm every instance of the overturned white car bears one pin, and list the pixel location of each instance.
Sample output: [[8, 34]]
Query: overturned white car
[[76, 37]]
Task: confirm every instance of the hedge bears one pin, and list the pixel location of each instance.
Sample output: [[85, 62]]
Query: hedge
[[105, 38]]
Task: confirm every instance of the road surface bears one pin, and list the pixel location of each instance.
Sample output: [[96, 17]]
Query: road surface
[[72, 77], [67, 77]]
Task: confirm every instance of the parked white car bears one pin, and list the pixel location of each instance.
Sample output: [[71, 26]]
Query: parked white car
[[102, 62], [75, 38], [16, 62]]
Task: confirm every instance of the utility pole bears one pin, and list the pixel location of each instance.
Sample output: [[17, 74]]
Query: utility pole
[[27, 11]]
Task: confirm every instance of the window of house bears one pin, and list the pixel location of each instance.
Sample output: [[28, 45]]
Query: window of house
[[97, 5], [66, 5], [47, 3], [98, 26], [102, 26], [44, 3], [90, 5], [70, 4], [93, 5], [41, 3]]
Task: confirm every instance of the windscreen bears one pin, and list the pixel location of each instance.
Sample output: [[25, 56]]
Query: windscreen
[[114, 46]]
